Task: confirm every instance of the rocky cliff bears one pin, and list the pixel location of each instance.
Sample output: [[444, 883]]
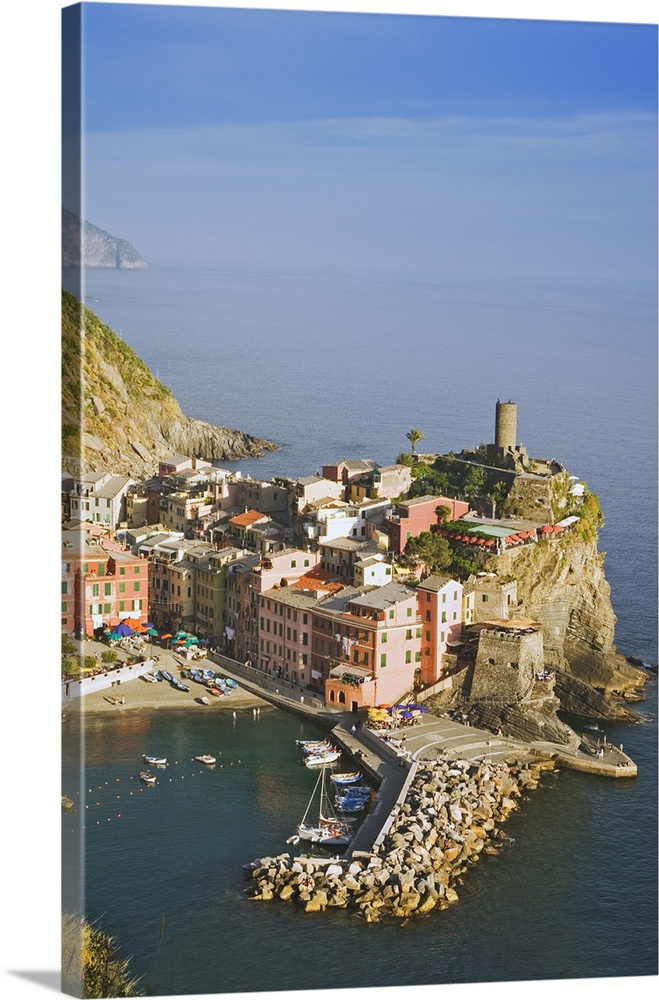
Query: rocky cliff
[[562, 585], [85, 245], [117, 416]]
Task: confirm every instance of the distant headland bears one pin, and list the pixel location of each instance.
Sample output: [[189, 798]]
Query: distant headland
[[85, 245]]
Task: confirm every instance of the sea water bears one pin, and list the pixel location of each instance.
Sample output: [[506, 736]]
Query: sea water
[[340, 365]]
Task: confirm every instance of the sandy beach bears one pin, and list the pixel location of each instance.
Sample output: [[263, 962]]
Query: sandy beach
[[140, 695]]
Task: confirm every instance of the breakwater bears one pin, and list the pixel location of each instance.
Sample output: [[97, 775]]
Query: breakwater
[[451, 815]]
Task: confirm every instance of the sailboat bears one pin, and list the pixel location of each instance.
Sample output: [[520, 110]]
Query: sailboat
[[329, 831]]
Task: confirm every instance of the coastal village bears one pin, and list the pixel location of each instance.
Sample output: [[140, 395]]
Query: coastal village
[[367, 603], [328, 582]]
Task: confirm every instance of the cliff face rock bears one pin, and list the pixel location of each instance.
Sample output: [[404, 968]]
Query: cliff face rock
[[117, 416], [562, 585], [85, 245]]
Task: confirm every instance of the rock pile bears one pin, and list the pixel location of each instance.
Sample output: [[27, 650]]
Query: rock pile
[[449, 818]]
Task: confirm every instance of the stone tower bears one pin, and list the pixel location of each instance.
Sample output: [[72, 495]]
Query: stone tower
[[505, 433]]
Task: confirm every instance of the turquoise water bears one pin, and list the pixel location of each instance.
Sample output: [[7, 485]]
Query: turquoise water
[[341, 365]]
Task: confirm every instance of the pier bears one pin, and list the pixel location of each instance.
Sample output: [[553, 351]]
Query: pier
[[391, 763]]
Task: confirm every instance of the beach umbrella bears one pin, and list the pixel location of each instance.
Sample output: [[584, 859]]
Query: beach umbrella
[[149, 625], [167, 635], [406, 715], [114, 637], [152, 631], [123, 629]]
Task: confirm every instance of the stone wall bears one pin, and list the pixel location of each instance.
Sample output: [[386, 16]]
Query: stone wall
[[506, 665]]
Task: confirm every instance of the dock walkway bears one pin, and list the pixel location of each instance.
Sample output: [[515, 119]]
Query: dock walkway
[[391, 758]]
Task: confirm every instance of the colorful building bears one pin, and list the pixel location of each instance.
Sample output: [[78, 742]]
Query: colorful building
[[410, 517], [441, 614], [102, 586]]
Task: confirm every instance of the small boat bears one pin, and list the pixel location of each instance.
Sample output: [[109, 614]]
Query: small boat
[[167, 676], [317, 760], [148, 777], [154, 760], [318, 748], [329, 831], [310, 743], [150, 678], [179, 685], [67, 803], [205, 758], [346, 778], [205, 700], [215, 691], [229, 681], [351, 805]]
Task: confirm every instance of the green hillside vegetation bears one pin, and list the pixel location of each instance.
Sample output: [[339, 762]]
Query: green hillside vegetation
[[117, 416], [92, 354]]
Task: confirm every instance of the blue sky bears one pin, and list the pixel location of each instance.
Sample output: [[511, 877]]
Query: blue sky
[[402, 141]]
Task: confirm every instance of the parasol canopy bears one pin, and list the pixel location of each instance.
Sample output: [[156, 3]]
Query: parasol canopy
[[123, 629]]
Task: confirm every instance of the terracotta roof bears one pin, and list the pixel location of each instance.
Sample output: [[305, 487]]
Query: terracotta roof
[[248, 518]]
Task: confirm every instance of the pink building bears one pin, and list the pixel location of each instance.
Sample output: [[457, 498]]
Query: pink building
[[246, 581], [410, 517], [440, 612], [285, 624], [107, 585], [367, 644]]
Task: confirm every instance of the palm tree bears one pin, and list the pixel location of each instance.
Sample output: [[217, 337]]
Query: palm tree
[[414, 436]]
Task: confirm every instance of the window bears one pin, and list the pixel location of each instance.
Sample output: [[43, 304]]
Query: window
[[444, 598], [443, 616], [409, 612], [64, 607], [427, 598], [383, 660], [427, 616], [305, 619], [95, 589], [122, 605], [417, 656], [455, 595], [427, 636], [442, 636], [384, 636], [485, 597], [107, 589], [365, 660], [122, 571], [122, 587], [418, 633], [306, 563], [65, 587], [136, 587], [408, 634], [408, 656], [391, 613], [293, 563], [137, 569], [106, 609]]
